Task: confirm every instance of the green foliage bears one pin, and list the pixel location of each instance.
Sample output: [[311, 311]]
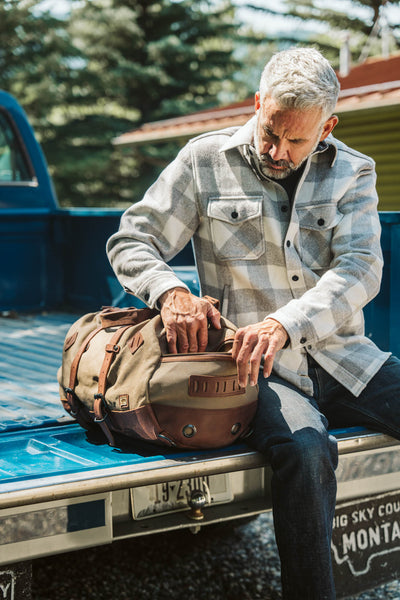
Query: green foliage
[[108, 66], [35, 58], [317, 23]]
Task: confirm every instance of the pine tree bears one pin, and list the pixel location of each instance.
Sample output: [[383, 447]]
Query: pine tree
[[143, 60], [35, 59]]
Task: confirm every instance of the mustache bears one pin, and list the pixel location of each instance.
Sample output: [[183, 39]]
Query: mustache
[[277, 163]]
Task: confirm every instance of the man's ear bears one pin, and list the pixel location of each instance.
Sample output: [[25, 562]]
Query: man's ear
[[257, 102], [329, 126]]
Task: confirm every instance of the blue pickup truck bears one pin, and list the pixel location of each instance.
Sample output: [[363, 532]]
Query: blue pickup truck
[[60, 491]]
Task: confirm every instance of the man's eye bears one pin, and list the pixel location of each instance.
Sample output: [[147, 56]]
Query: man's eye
[[270, 135]]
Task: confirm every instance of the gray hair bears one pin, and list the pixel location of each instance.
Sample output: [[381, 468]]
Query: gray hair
[[301, 79]]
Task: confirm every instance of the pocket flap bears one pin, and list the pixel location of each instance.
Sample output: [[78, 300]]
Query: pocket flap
[[234, 209], [319, 216]]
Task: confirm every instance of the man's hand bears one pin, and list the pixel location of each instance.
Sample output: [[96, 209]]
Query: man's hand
[[185, 319], [254, 341]]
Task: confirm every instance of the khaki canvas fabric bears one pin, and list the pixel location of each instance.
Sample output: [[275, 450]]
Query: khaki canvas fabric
[[117, 374]]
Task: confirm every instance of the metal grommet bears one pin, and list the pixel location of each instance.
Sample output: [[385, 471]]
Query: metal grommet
[[236, 428], [189, 430]]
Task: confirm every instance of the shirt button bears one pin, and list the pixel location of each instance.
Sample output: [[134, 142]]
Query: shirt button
[[321, 222], [303, 340], [234, 214], [295, 278], [147, 297], [288, 243], [284, 208]]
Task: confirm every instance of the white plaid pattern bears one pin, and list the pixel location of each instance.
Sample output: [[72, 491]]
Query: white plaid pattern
[[312, 268]]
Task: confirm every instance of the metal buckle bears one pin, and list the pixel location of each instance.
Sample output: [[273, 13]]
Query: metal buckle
[[103, 402], [69, 390]]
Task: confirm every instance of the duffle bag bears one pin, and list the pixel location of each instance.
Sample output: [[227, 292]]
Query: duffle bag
[[117, 374]]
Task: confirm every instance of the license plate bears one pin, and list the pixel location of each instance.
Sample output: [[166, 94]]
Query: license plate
[[366, 543], [173, 496]]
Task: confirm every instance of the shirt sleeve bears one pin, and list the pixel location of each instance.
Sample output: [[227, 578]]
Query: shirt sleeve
[[354, 275], [154, 230]]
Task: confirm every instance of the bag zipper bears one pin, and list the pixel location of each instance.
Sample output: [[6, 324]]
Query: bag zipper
[[197, 357]]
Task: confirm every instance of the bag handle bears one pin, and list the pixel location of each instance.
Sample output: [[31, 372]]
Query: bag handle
[[112, 316]]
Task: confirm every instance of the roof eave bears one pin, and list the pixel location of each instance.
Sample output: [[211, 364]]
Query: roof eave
[[361, 98]]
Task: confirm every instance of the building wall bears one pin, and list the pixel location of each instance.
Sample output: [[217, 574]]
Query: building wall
[[376, 132]]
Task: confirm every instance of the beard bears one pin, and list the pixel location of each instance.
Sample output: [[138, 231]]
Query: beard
[[286, 167], [267, 166]]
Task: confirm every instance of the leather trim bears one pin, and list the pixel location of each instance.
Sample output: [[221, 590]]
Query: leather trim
[[111, 350], [207, 386], [70, 341], [111, 317], [214, 428]]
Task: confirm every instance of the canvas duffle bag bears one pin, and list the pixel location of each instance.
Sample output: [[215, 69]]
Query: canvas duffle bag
[[117, 374]]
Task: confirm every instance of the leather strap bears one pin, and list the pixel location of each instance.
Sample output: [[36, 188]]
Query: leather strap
[[74, 370], [77, 359], [112, 350], [101, 420]]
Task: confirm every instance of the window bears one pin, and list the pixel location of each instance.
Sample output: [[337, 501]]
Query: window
[[14, 166]]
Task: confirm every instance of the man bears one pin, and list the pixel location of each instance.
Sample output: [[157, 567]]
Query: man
[[285, 229]]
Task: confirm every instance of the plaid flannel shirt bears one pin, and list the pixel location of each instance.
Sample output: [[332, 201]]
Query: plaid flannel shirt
[[311, 266]]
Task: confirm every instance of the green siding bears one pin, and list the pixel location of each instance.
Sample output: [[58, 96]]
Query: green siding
[[376, 132]]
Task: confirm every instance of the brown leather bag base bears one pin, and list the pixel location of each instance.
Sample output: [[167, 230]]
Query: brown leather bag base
[[117, 374]]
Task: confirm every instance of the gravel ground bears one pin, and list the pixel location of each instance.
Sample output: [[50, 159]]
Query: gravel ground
[[219, 563]]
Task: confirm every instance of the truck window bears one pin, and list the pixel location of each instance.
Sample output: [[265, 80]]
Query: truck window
[[13, 163]]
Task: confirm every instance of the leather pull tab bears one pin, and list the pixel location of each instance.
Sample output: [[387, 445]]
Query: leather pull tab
[[70, 341], [136, 341], [111, 317], [212, 301]]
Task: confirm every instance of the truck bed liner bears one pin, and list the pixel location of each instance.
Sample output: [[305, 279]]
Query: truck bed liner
[[30, 354]]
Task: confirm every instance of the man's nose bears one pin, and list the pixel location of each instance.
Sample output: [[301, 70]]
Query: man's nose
[[278, 151]]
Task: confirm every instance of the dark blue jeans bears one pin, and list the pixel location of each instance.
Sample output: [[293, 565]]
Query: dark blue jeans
[[291, 429]]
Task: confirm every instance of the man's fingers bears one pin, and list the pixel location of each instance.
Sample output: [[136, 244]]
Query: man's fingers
[[185, 318], [214, 316], [170, 334], [243, 361], [202, 337], [254, 342], [255, 362]]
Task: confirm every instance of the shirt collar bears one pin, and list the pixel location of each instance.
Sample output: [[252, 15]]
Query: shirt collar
[[244, 137]]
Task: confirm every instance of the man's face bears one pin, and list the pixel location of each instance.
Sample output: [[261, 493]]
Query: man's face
[[284, 138]]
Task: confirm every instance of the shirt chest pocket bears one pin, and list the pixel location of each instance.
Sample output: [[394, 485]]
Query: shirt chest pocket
[[236, 227], [317, 223]]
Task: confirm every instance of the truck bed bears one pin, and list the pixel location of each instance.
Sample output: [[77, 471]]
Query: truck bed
[[57, 456]]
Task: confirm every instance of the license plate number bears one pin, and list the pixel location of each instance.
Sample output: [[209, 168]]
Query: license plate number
[[172, 496]]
